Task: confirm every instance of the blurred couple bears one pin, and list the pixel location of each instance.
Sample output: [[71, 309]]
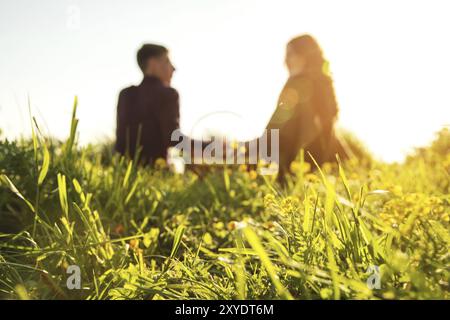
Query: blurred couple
[[305, 114]]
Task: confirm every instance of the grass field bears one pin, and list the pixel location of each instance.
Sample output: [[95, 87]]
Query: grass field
[[227, 233]]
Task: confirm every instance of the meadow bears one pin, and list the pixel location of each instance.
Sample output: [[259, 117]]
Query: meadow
[[223, 232]]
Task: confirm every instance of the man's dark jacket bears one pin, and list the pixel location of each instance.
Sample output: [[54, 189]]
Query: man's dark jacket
[[147, 115]]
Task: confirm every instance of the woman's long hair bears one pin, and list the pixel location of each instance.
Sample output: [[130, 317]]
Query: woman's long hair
[[316, 69], [307, 47]]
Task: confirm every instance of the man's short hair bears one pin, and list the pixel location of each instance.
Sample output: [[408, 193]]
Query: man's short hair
[[147, 51]]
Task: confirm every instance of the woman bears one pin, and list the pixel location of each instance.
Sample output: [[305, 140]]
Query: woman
[[307, 108]]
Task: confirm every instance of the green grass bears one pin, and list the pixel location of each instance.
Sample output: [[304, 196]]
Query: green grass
[[139, 233]]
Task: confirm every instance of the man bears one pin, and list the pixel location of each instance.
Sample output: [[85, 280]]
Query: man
[[147, 114]]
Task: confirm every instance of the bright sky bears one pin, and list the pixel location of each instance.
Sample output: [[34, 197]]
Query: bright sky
[[390, 60]]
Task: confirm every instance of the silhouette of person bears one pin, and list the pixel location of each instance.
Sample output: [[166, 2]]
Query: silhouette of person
[[147, 114], [306, 109]]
